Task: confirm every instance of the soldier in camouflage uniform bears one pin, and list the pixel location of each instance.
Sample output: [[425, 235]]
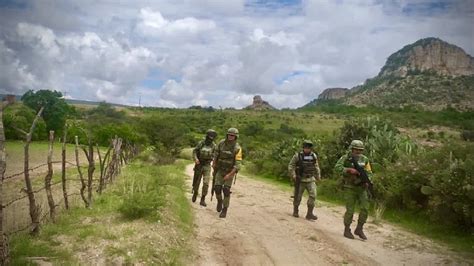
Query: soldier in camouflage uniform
[[227, 163], [203, 154], [305, 166], [354, 190]]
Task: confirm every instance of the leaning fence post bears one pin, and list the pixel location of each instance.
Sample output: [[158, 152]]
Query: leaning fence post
[[34, 209], [49, 176]]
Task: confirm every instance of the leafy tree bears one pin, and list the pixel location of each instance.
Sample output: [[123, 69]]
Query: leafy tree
[[21, 117], [56, 110]]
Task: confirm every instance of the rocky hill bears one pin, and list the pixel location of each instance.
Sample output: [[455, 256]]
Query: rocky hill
[[333, 93], [259, 104], [430, 73]]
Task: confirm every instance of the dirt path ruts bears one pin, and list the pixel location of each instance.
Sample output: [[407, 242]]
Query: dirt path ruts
[[259, 230]]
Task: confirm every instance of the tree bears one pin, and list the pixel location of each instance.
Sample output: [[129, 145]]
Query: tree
[[56, 110]]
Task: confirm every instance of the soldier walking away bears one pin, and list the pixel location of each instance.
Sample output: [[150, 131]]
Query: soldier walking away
[[356, 172], [227, 163], [203, 154], [304, 171]]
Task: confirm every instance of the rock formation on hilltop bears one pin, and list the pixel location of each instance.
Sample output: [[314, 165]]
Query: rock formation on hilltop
[[259, 104], [430, 54], [430, 74], [333, 93]]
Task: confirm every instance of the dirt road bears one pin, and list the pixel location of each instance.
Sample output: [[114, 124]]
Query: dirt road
[[259, 230]]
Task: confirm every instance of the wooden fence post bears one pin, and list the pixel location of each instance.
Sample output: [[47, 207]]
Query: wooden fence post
[[83, 183], [90, 170], [63, 170], [102, 167], [34, 208], [4, 251], [49, 176]]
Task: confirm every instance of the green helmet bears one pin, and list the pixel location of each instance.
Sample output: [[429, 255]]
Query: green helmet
[[233, 131], [211, 133], [307, 143], [356, 144]]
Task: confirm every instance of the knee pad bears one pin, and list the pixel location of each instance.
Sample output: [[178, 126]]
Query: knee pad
[[218, 189], [226, 191]]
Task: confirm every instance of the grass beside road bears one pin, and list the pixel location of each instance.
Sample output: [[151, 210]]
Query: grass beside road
[[144, 218]]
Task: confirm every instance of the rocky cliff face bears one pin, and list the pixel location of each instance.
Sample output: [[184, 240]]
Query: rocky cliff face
[[430, 73], [259, 104], [430, 54], [333, 94]]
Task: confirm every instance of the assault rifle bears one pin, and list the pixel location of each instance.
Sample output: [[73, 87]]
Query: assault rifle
[[363, 176]]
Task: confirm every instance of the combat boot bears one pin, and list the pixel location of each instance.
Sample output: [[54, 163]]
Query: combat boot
[[195, 194], [359, 231], [295, 211], [347, 232], [310, 215], [223, 213], [203, 201], [219, 205]]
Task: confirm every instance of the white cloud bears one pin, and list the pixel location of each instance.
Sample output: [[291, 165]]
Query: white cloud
[[182, 53], [153, 23]]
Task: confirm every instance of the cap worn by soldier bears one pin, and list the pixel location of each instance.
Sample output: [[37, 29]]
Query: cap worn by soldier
[[357, 145], [233, 131], [211, 134], [307, 144]]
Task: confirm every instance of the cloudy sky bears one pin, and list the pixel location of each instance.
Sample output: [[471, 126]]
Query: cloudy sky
[[178, 53]]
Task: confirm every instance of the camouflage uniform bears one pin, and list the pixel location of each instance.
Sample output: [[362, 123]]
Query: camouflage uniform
[[204, 152], [309, 173], [354, 191], [228, 159]]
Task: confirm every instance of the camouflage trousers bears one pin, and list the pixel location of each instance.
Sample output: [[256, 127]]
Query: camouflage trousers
[[204, 174], [222, 186], [352, 196], [311, 188]]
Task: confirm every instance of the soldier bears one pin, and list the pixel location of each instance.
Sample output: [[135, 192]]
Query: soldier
[[203, 155], [354, 190], [227, 163], [304, 171]]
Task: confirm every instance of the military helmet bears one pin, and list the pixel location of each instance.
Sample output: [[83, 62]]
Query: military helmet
[[233, 131], [356, 144], [307, 143], [211, 133]]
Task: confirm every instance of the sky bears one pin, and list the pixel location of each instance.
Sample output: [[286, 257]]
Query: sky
[[181, 53]]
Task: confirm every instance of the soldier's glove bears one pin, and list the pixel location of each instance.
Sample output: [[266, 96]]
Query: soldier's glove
[[293, 177], [352, 171], [197, 161]]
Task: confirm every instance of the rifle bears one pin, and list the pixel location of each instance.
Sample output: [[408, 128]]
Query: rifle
[[213, 182], [363, 176], [197, 175]]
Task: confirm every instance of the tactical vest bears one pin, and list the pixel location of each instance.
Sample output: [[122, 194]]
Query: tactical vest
[[307, 167], [226, 155], [205, 153]]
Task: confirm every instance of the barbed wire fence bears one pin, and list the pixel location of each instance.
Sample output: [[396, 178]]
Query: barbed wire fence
[[27, 203]]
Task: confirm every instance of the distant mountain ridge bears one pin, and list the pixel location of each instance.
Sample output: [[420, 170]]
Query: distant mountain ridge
[[71, 101], [429, 73]]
